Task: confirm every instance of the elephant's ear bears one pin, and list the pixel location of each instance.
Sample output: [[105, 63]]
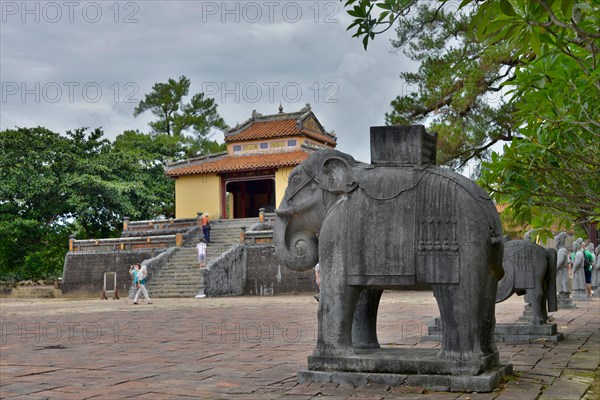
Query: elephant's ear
[[336, 176]]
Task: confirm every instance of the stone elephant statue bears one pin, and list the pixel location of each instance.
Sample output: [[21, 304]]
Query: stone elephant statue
[[530, 270], [396, 223]]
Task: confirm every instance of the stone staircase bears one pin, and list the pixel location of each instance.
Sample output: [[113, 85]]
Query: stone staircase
[[180, 277]]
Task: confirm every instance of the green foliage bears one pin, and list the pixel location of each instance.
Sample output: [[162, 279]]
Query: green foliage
[[548, 53], [174, 117], [456, 89], [372, 18], [53, 185], [553, 166]]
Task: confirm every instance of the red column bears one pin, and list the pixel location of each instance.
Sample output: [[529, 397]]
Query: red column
[[223, 198], [243, 194]]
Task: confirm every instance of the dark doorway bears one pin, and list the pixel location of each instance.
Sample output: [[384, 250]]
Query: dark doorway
[[249, 196]]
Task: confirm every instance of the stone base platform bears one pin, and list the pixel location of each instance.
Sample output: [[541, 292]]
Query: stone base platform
[[565, 302], [413, 367], [523, 332], [518, 332], [580, 295], [33, 292]]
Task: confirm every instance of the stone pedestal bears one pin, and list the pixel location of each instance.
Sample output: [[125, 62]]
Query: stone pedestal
[[413, 367], [526, 332], [580, 295], [565, 302], [527, 315], [510, 333]]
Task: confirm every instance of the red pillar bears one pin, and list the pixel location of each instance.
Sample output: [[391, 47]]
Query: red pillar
[[223, 198], [243, 194]]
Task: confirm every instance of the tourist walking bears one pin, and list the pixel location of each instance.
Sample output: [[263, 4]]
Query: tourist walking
[[596, 272], [205, 221], [142, 277], [133, 272], [588, 262], [201, 250]]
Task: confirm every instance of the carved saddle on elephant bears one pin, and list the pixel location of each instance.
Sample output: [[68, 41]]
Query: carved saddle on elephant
[[428, 206]]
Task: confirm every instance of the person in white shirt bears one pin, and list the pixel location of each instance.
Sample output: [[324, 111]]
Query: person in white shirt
[[201, 249]]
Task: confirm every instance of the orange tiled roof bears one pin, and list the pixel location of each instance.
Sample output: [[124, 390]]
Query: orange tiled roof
[[275, 129], [240, 163]]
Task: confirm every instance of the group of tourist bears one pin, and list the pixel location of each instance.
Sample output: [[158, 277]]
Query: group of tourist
[[201, 246], [583, 263], [139, 275]]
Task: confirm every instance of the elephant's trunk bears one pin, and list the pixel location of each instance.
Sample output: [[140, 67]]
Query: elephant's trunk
[[297, 248], [297, 208]]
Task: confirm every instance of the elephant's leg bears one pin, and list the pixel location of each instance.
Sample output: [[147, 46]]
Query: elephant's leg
[[337, 300], [488, 315], [337, 304], [537, 301], [459, 312], [364, 326]]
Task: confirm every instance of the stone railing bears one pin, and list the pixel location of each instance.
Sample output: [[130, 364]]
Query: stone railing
[[158, 226], [257, 235], [226, 274], [125, 243], [143, 235], [155, 264], [260, 233], [268, 218]]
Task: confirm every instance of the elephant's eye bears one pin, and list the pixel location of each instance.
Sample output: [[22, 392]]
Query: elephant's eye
[[296, 179]]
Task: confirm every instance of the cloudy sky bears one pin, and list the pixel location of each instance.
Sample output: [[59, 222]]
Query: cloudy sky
[[70, 64]]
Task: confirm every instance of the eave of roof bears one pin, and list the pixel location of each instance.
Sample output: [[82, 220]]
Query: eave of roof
[[280, 125], [239, 163]]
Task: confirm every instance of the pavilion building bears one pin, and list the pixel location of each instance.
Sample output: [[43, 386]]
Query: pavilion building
[[252, 173]]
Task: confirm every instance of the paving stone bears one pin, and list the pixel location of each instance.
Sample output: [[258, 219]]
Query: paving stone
[[520, 390], [161, 351], [584, 359], [565, 389], [539, 375], [306, 389]]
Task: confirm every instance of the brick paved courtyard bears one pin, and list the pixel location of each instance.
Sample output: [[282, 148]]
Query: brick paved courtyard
[[251, 348]]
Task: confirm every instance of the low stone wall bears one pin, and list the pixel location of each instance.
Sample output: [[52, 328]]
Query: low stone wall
[[139, 243], [36, 292], [225, 275], [142, 228], [253, 270], [83, 273], [265, 276]]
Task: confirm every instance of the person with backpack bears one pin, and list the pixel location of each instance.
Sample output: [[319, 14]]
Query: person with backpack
[[133, 272], [205, 221], [588, 260], [142, 277]]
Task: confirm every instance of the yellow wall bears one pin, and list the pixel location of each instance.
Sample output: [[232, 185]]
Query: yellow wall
[[203, 193], [198, 193], [281, 182]]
